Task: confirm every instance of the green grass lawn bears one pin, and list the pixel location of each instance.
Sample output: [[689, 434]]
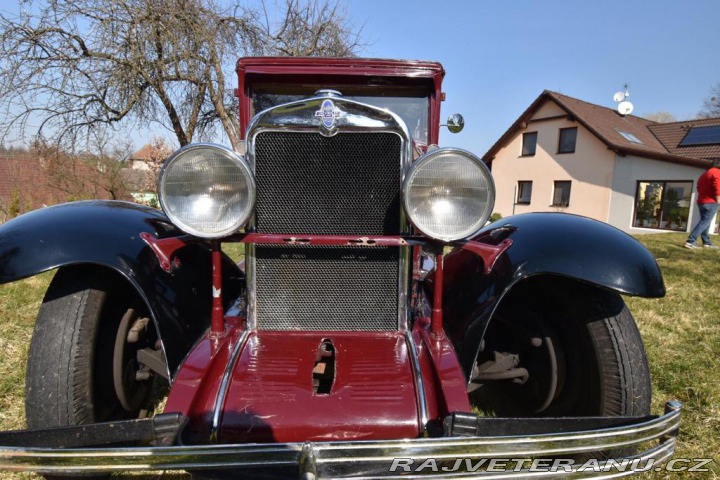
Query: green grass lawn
[[681, 334], [682, 337]]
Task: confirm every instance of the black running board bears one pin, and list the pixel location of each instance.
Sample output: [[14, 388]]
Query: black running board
[[160, 430]]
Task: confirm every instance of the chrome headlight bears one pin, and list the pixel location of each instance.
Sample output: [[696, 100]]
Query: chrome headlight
[[449, 194], [207, 190]]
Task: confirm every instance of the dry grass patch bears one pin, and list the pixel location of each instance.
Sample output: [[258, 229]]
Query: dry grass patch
[[19, 303]]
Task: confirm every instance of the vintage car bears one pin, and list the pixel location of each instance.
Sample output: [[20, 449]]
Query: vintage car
[[377, 326]]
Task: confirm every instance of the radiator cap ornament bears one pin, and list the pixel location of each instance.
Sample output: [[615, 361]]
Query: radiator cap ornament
[[328, 113]]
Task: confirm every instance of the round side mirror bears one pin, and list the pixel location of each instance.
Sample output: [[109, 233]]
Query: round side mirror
[[455, 123]]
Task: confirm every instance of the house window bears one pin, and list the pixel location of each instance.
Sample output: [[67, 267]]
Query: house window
[[529, 144], [662, 205], [524, 192], [568, 138], [561, 194], [630, 137]]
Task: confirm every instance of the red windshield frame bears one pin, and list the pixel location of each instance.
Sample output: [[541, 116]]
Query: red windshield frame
[[335, 72]]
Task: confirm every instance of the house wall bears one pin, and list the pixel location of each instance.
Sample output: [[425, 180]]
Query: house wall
[[631, 169], [590, 169]]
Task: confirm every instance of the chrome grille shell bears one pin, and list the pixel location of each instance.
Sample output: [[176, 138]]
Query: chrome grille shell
[[357, 128]]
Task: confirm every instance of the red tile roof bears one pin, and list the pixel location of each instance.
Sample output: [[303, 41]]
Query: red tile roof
[[149, 152], [27, 179], [671, 134], [658, 140], [24, 177]]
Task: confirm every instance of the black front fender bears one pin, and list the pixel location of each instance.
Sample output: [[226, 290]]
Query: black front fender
[[107, 234], [555, 244]]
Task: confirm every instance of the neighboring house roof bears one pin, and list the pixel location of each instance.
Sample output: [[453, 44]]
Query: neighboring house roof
[[34, 181], [658, 141], [145, 153], [22, 175], [151, 152], [144, 166], [671, 134]]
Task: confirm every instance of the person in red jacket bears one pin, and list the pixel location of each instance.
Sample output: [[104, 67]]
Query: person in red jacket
[[708, 198]]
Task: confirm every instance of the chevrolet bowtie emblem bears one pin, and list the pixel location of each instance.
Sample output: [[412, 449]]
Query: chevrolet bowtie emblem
[[328, 113]]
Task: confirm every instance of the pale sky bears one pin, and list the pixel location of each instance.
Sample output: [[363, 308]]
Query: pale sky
[[500, 55]]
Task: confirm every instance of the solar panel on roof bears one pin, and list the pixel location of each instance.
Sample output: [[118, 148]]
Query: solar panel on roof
[[707, 135]]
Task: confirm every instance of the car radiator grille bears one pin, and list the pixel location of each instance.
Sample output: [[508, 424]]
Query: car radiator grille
[[348, 184]]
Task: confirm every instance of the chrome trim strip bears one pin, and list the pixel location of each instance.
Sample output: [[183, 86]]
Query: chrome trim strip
[[362, 458], [419, 383], [356, 117], [250, 286], [224, 384], [404, 289]]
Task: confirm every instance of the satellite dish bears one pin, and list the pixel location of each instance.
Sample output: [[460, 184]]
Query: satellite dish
[[625, 108], [619, 96]]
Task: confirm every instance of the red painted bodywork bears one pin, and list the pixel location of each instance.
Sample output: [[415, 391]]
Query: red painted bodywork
[[450, 383], [217, 320], [165, 248], [270, 396], [197, 382], [336, 72], [436, 325], [375, 392]]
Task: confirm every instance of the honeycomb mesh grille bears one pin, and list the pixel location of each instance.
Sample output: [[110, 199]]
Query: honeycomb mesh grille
[[326, 288], [347, 184]]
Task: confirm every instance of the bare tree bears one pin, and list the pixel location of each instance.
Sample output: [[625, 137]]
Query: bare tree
[[310, 28], [65, 176], [107, 163], [152, 157], [660, 116], [96, 173], [70, 67], [711, 105]]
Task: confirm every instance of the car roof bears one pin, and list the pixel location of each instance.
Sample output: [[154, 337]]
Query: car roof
[[340, 66]]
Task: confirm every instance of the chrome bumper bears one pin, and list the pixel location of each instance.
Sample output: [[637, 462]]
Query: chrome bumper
[[375, 459]]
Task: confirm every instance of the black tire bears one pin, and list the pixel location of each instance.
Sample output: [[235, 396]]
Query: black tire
[[69, 377], [587, 335]]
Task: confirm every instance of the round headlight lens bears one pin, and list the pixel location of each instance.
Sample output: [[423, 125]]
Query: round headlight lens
[[207, 190], [449, 194]]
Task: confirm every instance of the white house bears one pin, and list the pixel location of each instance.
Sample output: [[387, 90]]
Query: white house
[[564, 154]]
